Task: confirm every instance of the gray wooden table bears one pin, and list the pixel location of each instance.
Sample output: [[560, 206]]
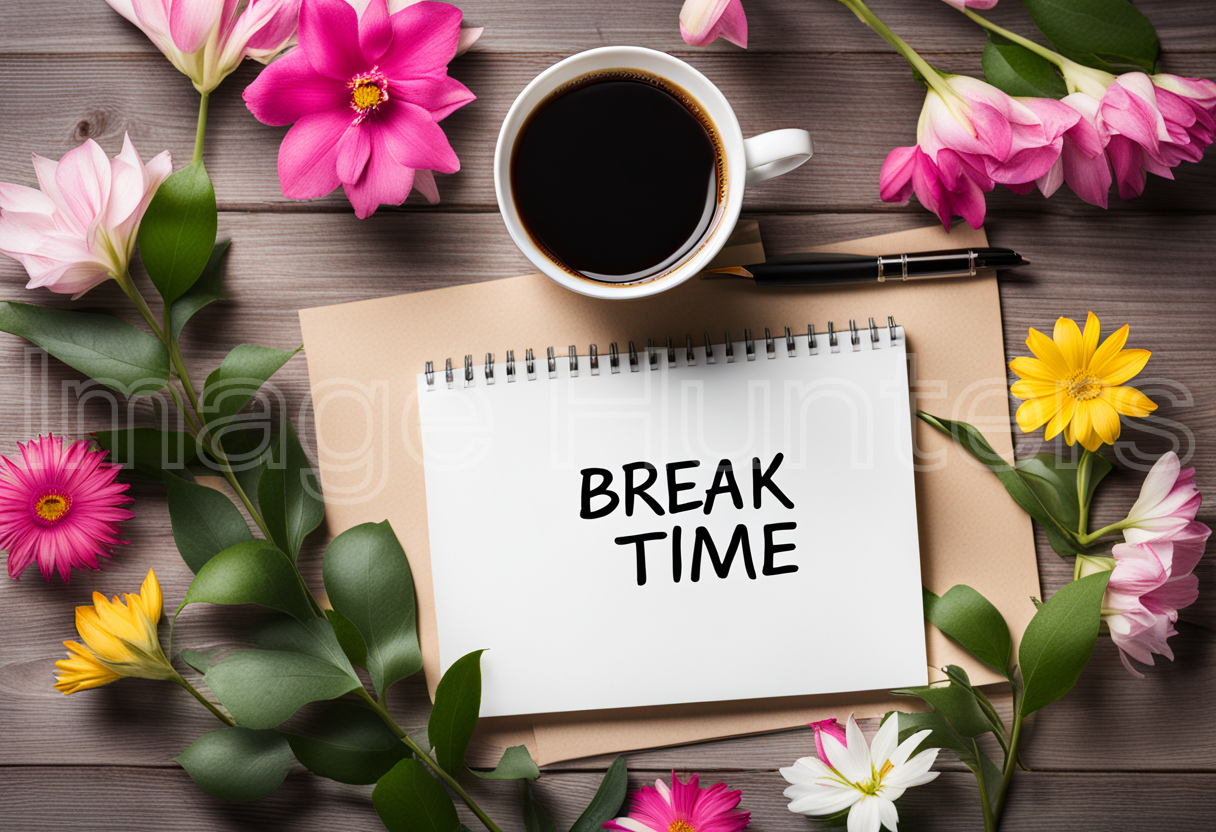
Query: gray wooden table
[[1118, 753]]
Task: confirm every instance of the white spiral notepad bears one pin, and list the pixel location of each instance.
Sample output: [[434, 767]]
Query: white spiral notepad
[[677, 523]]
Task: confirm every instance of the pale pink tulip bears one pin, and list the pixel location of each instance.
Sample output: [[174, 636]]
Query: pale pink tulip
[[704, 21], [971, 135], [1150, 583], [207, 39], [1082, 164], [80, 228], [1168, 502]]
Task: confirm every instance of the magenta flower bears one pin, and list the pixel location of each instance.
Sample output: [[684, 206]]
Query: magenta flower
[[831, 728], [972, 4], [1168, 503], [80, 229], [684, 807], [970, 136], [704, 21], [207, 39], [61, 507], [365, 96], [1082, 164]]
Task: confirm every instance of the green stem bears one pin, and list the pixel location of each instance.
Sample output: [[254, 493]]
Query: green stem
[[1042, 51], [220, 715], [1011, 761], [453, 784], [932, 77], [201, 131], [1092, 537], [1083, 472], [989, 820]]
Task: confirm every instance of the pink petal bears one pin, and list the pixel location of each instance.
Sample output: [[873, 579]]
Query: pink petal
[[895, 178], [1127, 159], [413, 137], [1088, 176], [385, 182], [308, 157], [704, 21], [425, 37], [329, 36], [424, 182], [274, 33], [192, 21], [468, 36], [20, 199], [354, 148], [375, 32], [290, 88], [83, 179], [440, 96]]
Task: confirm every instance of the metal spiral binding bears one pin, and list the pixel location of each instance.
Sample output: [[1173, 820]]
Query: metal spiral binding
[[652, 353]]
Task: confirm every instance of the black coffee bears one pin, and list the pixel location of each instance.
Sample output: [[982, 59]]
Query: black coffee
[[618, 176]]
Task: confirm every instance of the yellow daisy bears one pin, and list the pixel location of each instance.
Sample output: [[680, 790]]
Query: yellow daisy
[[120, 639], [1074, 386]]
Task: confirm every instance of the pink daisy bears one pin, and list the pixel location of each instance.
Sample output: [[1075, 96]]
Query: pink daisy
[[685, 807], [61, 507], [365, 96]]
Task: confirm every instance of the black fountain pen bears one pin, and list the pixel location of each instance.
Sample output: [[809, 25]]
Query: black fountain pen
[[827, 269]]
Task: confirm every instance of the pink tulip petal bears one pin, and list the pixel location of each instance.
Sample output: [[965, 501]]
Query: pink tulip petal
[[1088, 176], [275, 29], [1127, 159], [413, 137], [152, 16], [440, 96], [432, 32], [424, 182], [23, 200], [385, 182], [329, 36], [191, 22], [895, 178], [468, 36], [375, 31], [704, 21], [83, 179], [290, 88], [308, 157], [354, 148]]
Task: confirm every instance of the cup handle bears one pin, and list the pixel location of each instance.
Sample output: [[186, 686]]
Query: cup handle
[[776, 152]]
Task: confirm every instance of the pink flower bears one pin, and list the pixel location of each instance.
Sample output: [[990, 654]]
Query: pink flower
[[1168, 503], [704, 21], [207, 39], [970, 136], [831, 728], [365, 95], [61, 507], [79, 229], [1082, 163], [685, 807], [1150, 583], [972, 4]]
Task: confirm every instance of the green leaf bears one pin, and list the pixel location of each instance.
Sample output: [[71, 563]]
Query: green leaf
[[263, 688], [409, 799], [368, 581], [516, 764], [207, 289], [149, 452], [956, 703], [200, 660], [237, 763], [1100, 33], [1016, 70], [536, 819], [349, 637], [288, 493], [246, 449], [313, 637], [943, 736], [1059, 535], [959, 677], [1059, 640], [177, 233], [205, 522], [102, 347], [970, 619], [238, 378], [454, 716], [609, 798], [253, 572], [349, 744]]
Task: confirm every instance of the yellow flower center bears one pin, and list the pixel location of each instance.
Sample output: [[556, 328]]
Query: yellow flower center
[[1083, 387], [50, 508], [366, 96], [680, 825], [368, 90], [873, 786]]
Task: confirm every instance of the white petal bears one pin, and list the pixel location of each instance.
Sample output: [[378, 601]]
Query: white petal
[[806, 770], [907, 747], [888, 814], [859, 765], [1157, 486], [863, 817], [632, 825], [885, 741], [840, 758], [825, 801], [915, 772]]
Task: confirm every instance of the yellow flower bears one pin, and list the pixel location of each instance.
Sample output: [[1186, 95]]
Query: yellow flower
[[1073, 386], [120, 639]]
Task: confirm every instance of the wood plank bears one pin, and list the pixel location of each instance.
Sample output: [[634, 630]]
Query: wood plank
[[28, 27], [769, 91], [274, 270], [88, 800]]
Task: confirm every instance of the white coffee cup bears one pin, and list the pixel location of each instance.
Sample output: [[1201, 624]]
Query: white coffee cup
[[748, 161]]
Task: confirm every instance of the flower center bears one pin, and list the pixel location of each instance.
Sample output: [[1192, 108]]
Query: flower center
[[874, 785], [50, 508], [681, 825], [368, 91], [1083, 388]]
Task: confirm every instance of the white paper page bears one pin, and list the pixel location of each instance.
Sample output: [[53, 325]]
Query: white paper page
[[556, 601]]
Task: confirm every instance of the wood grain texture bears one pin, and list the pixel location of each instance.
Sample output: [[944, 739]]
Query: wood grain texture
[[1117, 753]]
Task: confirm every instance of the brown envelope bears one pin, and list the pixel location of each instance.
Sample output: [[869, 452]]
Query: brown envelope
[[363, 358]]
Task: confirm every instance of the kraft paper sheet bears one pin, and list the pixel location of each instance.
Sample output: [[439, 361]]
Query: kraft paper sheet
[[363, 358]]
